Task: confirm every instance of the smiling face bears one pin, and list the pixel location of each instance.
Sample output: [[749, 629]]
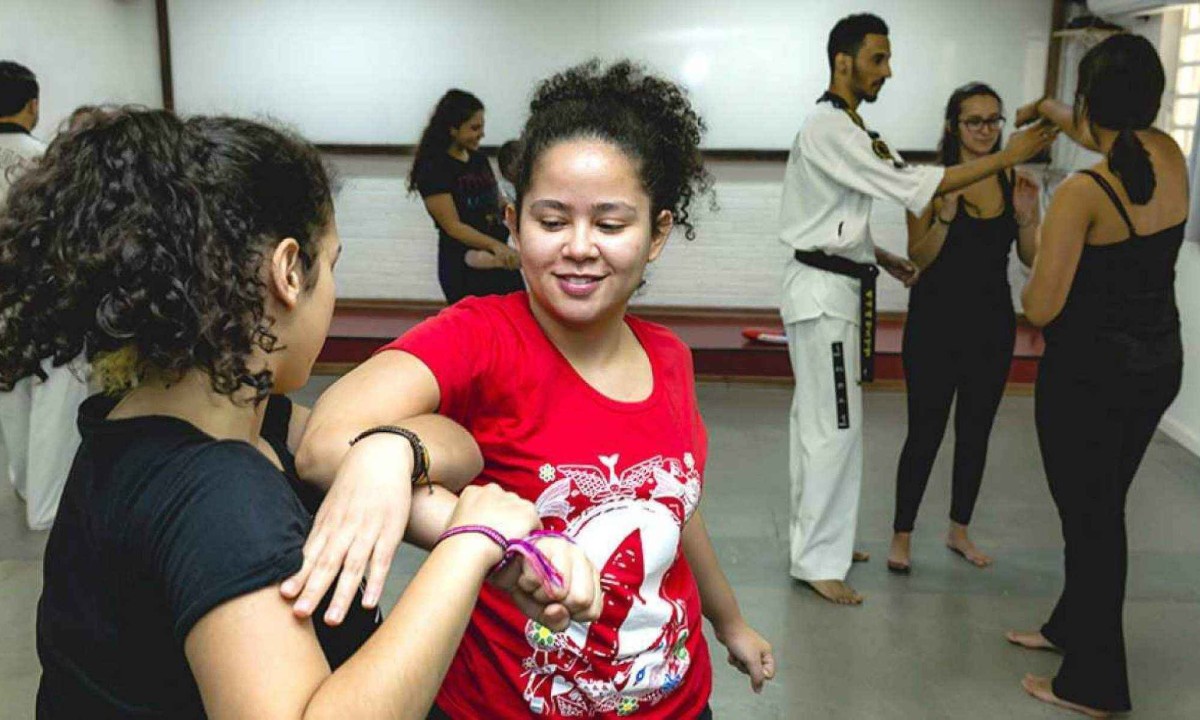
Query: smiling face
[[979, 124], [585, 233], [872, 67], [468, 135]]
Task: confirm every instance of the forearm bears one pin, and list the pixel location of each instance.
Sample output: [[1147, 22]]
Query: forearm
[[454, 458], [717, 600], [1027, 240], [1063, 116], [398, 671], [429, 516], [472, 238], [925, 249], [961, 175]]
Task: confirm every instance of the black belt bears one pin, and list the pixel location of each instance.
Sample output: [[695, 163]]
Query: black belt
[[865, 273]]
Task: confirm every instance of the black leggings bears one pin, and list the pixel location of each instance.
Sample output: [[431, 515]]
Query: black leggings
[[945, 358], [1093, 434]]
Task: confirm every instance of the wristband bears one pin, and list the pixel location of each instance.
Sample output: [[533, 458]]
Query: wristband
[[489, 533], [420, 470], [525, 547]]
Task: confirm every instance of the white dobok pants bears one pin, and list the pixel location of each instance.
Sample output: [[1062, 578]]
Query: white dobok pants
[[826, 446], [39, 437]]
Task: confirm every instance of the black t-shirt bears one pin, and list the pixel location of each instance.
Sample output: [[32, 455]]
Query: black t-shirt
[[476, 199], [158, 524]]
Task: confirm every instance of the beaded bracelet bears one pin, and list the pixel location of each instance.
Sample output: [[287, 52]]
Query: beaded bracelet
[[524, 547]]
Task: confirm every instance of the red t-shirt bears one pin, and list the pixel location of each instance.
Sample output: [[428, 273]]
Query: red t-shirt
[[620, 478]]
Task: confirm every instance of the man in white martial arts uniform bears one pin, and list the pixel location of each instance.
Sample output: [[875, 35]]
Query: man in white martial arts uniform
[[835, 170], [38, 437]]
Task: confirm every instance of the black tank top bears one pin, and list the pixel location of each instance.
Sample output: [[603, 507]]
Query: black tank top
[[1120, 314], [971, 271]]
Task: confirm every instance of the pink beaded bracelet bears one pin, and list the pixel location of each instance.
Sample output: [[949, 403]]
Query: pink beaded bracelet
[[524, 547]]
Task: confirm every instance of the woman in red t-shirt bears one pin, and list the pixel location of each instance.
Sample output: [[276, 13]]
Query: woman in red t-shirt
[[587, 411]]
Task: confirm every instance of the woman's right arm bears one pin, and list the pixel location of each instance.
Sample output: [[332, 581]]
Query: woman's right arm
[[252, 658], [927, 232], [441, 209]]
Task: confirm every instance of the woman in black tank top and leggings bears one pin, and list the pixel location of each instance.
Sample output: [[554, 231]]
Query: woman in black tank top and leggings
[[1103, 285], [958, 338]]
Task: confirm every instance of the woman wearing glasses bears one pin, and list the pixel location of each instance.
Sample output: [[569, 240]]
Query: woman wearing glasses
[[958, 340]]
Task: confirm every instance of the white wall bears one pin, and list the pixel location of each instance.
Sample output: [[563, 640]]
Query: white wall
[[369, 71], [735, 261], [83, 52]]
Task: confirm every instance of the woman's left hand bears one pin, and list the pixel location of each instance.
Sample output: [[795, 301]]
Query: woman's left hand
[[749, 652]]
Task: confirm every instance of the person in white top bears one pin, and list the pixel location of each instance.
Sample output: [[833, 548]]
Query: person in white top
[[38, 437], [835, 170]]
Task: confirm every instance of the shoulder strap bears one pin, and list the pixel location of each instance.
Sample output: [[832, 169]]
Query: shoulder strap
[[1112, 195]]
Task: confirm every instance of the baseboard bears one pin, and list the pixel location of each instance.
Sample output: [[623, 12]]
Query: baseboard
[[1182, 434]]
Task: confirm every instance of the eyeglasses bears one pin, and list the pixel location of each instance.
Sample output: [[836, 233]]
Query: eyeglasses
[[975, 124]]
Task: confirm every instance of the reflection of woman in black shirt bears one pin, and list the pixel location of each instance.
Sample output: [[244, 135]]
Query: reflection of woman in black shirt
[[1103, 286], [958, 338], [461, 195]]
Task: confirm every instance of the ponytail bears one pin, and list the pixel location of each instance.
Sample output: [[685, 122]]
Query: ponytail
[[1130, 162]]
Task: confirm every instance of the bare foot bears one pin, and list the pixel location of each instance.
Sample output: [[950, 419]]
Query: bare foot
[[900, 554], [836, 591], [1030, 640], [860, 556], [959, 543], [1040, 688]]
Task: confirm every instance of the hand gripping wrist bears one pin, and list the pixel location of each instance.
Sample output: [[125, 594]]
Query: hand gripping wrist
[[524, 547]]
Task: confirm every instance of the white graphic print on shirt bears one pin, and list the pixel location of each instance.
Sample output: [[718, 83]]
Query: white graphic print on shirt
[[629, 525]]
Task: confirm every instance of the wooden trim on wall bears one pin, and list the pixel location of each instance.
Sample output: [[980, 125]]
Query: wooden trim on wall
[[164, 54], [760, 314], [1058, 18], [920, 156]]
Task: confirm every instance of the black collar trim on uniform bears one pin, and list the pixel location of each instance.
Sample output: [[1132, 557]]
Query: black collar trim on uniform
[[882, 151], [11, 128], [833, 99]]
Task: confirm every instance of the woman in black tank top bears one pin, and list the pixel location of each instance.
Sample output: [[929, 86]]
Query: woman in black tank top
[[958, 338], [1113, 358]]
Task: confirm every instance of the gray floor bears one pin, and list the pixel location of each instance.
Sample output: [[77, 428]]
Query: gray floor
[[924, 646]]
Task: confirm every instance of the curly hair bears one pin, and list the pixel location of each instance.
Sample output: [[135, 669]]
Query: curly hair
[[138, 238], [649, 118]]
